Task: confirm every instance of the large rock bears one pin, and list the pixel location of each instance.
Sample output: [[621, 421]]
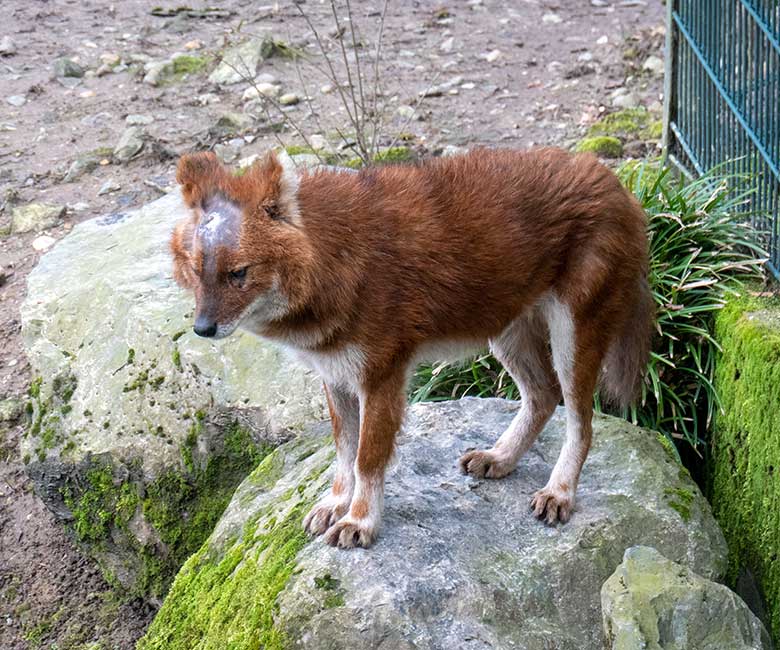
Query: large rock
[[653, 603], [139, 430], [460, 563]]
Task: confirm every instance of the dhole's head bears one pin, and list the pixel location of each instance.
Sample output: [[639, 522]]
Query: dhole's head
[[241, 245]]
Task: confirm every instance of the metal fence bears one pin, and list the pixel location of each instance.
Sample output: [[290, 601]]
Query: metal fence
[[723, 98]]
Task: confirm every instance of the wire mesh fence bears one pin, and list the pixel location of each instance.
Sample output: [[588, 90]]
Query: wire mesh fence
[[723, 99]]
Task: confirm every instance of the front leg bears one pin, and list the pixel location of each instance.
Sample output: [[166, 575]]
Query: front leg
[[344, 410], [382, 407]]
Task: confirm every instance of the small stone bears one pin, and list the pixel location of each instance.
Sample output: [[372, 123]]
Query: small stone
[[229, 123], [599, 3], [65, 67], [406, 112], [492, 56], [87, 94], [158, 72], [35, 217], [110, 58], [289, 99], [654, 64], [318, 142], [260, 90], [108, 187], [447, 44], [16, 100], [206, 99], [552, 18], [226, 152], [240, 63], [7, 46], [452, 150], [602, 40], [43, 243], [266, 78], [585, 57], [10, 409], [138, 120], [625, 100], [326, 89], [248, 161], [193, 45], [130, 144]]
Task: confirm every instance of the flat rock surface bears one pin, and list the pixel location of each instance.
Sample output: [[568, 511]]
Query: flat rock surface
[[460, 563]]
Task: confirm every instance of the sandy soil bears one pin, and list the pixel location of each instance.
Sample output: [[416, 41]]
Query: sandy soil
[[531, 72]]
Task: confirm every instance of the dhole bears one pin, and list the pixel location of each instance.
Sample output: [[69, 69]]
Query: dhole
[[540, 254]]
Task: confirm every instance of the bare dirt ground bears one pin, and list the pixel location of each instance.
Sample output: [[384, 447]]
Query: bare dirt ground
[[515, 73]]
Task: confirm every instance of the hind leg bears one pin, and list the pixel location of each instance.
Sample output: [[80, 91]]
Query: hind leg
[[522, 349], [578, 350]]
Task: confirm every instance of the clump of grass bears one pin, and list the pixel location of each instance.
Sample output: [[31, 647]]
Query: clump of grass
[[701, 251]]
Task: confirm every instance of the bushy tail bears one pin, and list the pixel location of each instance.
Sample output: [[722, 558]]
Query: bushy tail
[[626, 362]]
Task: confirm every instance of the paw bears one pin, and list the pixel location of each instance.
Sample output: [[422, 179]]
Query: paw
[[349, 533], [487, 463], [323, 515], [552, 505]]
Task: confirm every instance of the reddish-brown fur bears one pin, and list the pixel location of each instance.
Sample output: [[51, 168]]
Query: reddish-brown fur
[[394, 259]]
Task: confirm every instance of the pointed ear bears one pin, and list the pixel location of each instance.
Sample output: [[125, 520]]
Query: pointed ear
[[275, 181], [180, 251], [200, 175]]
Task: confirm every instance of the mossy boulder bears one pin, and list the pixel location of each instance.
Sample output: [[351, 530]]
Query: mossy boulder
[[653, 603], [628, 124], [139, 431], [457, 558], [744, 485]]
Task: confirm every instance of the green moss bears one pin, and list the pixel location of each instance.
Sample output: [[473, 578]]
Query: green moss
[[628, 124], [602, 145], [130, 356], [394, 155], [669, 447], [100, 504], [35, 388], [138, 383], [184, 507], [176, 358], [188, 64], [743, 482], [680, 499], [231, 601], [334, 596]]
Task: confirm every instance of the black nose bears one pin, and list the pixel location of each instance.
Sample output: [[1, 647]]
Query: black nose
[[205, 327]]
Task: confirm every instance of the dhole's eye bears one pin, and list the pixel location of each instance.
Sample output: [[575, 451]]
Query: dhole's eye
[[237, 276]]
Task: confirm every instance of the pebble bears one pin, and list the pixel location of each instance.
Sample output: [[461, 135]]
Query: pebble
[[44, 242], [108, 187], [260, 90], [206, 99], [7, 46], [624, 98], [87, 94], [193, 45], [65, 67], [266, 78], [35, 217], [289, 99], [552, 18], [602, 40], [138, 120], [492, 56], [654, 64], [447, 44], [16, 100], [226, 153], [326, 89], [585, 57], [318, 142], [110, 58], [407, 112]]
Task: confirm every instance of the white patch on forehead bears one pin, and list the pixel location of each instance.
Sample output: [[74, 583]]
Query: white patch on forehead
[[217, 227]]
